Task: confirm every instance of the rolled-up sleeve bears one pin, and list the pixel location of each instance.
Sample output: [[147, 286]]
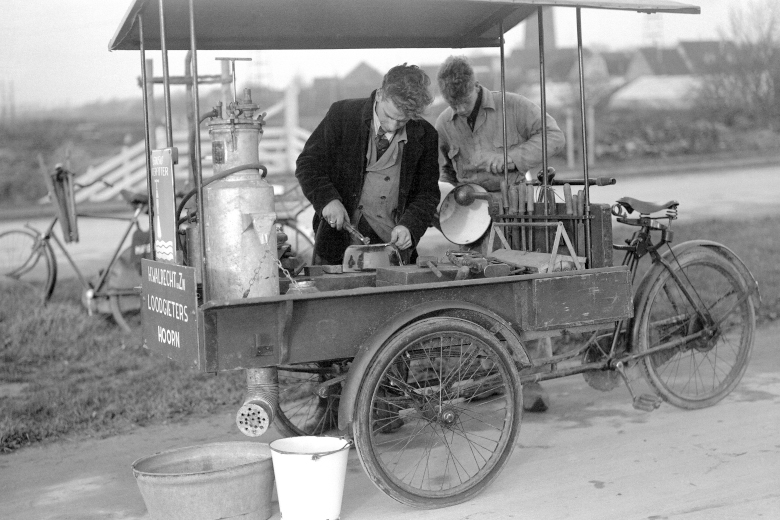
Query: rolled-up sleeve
[[528, 116]]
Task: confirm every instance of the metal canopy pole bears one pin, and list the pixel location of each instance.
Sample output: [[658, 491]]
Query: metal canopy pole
[[166, 79], [196, 164], [586, 213], [147, 133], [542, 81], [503, 103]]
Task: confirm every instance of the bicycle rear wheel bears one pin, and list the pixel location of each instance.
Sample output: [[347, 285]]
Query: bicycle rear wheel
[[704, 361], [26, 258]]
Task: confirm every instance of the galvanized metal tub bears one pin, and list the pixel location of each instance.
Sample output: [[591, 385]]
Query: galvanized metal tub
[[208, 482]]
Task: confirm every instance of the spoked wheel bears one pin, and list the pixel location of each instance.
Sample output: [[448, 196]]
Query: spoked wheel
[[306, 405], [709, 349], [25, 258], [438, 413]]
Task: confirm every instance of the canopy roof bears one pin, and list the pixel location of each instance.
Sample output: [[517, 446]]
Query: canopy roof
[[344, 24]]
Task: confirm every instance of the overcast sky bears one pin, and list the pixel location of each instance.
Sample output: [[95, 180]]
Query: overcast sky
[[55, 52]]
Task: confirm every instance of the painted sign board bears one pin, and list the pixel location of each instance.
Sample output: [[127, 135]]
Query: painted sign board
[[164, 204], [169, 308]]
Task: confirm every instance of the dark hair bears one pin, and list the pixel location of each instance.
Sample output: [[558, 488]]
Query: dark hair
[[409, 89], [456, 79]]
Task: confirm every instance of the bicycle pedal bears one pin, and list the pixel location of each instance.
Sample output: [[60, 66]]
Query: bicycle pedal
[[647, 402]]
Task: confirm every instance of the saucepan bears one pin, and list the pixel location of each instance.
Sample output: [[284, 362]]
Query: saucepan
[[362, 257]]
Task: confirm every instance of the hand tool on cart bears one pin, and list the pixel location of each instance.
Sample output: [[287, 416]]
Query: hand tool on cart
[[465, 194], [514, 209], [579, 210], [567, 199], [357, 234], [431, 262], [552, 181], [522, 197], [529, 207], [472, 262]]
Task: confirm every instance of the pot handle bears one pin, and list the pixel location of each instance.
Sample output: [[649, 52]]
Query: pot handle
[[397, 254]]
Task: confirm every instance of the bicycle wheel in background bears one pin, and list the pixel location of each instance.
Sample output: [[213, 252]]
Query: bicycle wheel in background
[[301, 410], [438, 412], [302, 245], [27, 259], [702, 370]]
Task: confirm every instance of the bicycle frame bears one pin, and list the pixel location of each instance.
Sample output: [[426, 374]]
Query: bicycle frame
[[639, 245], [49, 234]]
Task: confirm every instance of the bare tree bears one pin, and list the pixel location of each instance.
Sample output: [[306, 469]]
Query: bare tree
[[743, 87]]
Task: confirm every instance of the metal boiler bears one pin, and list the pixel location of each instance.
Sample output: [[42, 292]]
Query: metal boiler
[[239, 210], [240, 236]]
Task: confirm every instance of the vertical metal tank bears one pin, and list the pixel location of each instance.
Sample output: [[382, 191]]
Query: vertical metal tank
[[239, 210]]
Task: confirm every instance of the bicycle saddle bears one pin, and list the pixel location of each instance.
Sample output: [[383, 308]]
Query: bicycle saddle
[[645, 208], [135, 197]]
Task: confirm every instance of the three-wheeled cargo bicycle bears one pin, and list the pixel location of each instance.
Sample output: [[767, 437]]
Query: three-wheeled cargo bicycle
[[422, 366]]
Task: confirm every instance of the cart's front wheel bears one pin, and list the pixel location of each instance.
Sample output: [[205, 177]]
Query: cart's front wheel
[[438, 413], [706, 318]]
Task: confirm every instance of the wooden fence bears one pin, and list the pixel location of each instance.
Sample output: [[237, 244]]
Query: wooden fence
[[278, 150]]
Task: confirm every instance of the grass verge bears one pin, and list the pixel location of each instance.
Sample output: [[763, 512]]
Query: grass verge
[[79, 375]]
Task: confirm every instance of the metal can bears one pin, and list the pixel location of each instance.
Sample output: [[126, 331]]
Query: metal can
[[302, 287], [240, 236]]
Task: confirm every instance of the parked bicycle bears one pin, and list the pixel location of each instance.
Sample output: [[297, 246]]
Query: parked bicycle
[[27, 254]]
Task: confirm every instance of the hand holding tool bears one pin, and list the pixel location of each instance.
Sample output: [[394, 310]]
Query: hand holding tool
[[355, 233]]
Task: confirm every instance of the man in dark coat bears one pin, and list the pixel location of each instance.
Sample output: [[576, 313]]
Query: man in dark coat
[[373, 162]]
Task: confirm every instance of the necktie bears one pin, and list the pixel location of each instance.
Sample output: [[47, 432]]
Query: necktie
[[382, 144]]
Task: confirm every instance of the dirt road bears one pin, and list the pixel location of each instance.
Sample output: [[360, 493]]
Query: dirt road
[[590, 456]]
